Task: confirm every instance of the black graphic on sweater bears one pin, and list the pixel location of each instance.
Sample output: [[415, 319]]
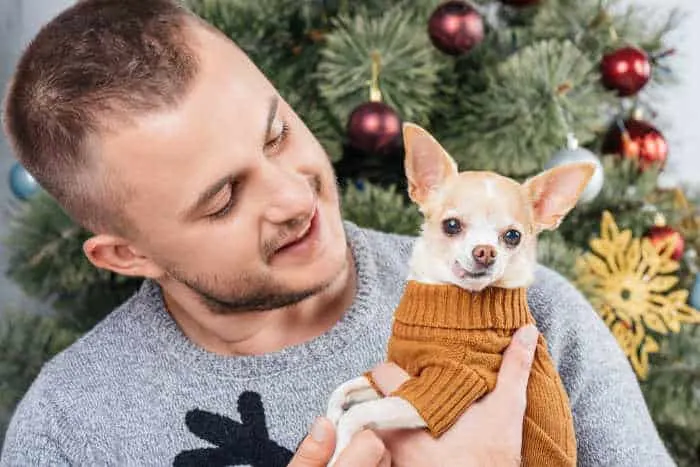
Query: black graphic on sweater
[[237, 443]]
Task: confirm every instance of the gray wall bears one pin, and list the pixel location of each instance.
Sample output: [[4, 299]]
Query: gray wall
[[678, 107]]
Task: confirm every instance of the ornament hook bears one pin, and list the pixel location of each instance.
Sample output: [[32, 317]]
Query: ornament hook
[[375, 94]]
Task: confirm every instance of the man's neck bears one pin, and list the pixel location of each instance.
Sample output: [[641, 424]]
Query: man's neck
[[257, 332]]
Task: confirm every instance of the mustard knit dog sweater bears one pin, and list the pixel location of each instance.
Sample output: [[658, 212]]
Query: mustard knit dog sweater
[[451, 342]]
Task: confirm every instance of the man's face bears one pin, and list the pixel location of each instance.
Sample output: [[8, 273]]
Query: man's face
[[220, 186]]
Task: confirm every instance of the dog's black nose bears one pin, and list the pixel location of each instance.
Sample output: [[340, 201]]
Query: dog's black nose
[[484, 255]]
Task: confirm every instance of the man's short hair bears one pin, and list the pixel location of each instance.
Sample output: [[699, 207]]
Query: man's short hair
[[94, 65]]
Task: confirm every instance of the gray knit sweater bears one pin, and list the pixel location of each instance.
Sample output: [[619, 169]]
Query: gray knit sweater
[[135, 391]]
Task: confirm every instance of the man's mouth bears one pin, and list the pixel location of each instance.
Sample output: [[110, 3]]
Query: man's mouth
[[308, 230]]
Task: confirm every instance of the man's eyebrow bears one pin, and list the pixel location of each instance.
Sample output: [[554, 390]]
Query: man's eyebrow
[[206, 196]]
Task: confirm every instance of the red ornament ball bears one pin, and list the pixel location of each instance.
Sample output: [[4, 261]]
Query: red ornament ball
[[374, 127], [626, 70], [640, 141], [519, 3], [660, 234], [455, 27]]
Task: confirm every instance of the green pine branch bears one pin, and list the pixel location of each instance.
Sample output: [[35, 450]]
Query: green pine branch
[[383, 209], [409, 65], [262, 29], [528, 104], [602, 25], [555, 252], [46, 260], [672, 393]]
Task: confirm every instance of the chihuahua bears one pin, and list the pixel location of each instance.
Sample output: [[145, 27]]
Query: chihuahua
[[479, 233]]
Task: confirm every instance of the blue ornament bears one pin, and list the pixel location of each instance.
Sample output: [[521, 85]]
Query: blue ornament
[[695, 293], [22, 184], [360, 185]]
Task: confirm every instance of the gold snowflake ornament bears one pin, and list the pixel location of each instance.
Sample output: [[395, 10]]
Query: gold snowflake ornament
[[629, 281]]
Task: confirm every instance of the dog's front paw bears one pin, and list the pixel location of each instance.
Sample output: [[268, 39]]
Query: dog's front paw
[[383, 413], [348, 394], [335, 407], [350, 423]]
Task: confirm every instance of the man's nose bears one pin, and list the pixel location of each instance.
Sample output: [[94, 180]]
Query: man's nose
[[484, 255], [290, 197]]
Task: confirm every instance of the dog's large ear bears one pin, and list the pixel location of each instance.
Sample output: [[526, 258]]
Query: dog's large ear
[[427, 164], [554, 192]]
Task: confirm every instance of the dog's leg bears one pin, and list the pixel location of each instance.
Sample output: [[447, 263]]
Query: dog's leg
[[387, 413], [348, 394]]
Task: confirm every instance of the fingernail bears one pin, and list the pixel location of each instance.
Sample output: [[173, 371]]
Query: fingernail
[[318, 431], [528, 336]]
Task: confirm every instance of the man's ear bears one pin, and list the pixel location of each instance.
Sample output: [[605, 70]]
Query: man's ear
[[555, 192], [118, 255], [427, 164]]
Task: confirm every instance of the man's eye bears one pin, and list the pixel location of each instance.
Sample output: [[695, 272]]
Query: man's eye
[[227, 207], [223, 211], [275, 143]]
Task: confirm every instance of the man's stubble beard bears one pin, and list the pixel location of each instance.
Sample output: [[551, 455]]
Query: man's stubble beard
[[263, 297], [258, 293]]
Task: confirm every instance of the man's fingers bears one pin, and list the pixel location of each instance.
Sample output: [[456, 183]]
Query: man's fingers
[[388, 377], [365, 449], [318, 446], [517, 362]]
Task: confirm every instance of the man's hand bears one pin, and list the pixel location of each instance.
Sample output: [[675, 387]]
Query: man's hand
[[316, 450], [488, 433]]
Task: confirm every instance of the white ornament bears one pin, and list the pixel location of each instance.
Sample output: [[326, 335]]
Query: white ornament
[[574, 153]]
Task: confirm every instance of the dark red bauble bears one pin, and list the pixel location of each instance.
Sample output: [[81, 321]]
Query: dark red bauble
[[374, 127], [641, 141], [626, 70], [660, 234], [520, 2], [455, 27]]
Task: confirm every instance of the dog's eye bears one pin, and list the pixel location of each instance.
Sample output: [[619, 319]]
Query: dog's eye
[[451, 226], [512, 237]]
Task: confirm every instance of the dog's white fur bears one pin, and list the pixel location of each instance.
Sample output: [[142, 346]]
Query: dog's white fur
[[487, 204]]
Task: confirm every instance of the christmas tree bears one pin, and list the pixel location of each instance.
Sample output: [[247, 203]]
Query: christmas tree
[[513, 86]]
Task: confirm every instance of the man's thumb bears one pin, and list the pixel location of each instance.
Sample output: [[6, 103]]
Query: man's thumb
[[317, 447]]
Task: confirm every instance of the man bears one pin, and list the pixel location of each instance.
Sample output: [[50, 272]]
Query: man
[[159, 135]]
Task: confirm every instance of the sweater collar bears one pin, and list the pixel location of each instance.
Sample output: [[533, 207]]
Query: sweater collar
[[449, 306]]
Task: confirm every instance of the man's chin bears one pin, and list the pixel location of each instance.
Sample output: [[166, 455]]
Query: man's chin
[[258, 301], [283, 291], [333, 261], [320, 274]]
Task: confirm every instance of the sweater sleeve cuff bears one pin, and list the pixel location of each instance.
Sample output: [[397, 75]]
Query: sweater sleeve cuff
[[441, 394]]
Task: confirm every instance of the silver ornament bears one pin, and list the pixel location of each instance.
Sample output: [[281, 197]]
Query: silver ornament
[[574, 153]]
